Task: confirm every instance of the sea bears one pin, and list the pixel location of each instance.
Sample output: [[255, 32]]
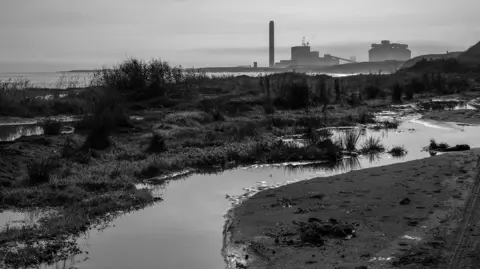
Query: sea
[[83, 79]]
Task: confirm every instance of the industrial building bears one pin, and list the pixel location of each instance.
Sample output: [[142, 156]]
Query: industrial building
[[387, 51], [301, 55]]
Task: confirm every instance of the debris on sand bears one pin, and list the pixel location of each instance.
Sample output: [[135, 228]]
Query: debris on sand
[[405, 201], [315, 230]]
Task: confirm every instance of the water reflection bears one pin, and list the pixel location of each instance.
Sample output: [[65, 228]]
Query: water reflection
[[444, 105], [10, 133], [18, 218]]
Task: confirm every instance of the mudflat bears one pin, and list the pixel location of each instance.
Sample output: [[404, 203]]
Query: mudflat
[[396, 216], [460, 116]]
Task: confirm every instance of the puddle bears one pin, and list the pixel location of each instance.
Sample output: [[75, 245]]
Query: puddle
[[185, 229], [9, 133], [12, 128], [12, 132], [9, 219]]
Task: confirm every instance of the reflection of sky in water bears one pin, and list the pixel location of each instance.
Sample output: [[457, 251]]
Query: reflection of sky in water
[[185, 230]]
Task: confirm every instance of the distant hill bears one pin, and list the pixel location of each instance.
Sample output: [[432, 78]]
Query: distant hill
[[430, 57], [471, 57]]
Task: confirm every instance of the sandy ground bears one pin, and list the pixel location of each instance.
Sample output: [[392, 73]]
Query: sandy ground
[[422, 199], [461, 116]]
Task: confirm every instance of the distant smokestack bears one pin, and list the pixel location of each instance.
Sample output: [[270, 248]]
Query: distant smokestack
[[271, 50]]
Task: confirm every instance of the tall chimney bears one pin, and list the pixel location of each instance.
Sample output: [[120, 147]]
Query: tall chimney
[[271, 50]]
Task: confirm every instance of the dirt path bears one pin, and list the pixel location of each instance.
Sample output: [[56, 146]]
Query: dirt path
[[466, 242]]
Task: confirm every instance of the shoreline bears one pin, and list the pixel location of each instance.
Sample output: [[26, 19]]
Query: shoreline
[[243, 233]]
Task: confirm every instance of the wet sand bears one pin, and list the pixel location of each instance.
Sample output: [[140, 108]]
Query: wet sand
[[405, 210], [461, 116]]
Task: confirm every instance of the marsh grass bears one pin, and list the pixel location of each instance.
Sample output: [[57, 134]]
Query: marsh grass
[[398, 151], [372, 145], [349, 139], [39, 172]]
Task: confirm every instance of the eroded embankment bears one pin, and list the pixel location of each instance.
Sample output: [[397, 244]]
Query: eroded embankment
[[401, 215]]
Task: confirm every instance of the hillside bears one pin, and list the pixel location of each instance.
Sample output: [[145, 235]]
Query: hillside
[[430, 57], [471, 57]]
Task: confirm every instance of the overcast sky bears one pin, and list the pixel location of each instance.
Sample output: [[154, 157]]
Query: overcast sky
[[52, 35]]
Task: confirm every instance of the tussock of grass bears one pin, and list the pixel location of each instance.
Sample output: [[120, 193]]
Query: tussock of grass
[[372, 145], [398, 151], [349, 139]]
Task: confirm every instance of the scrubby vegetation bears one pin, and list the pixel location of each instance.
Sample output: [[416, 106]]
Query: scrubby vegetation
[[372, 145], [187, 120]]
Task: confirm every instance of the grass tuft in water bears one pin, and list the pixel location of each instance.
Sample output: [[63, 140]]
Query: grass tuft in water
[[349, 139], [398, 151], [372, 144]]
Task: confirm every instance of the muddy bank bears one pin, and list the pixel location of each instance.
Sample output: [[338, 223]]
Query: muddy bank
[[397, 215], [462, 116]]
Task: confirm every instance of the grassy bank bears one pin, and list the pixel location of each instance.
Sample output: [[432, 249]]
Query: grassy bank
[[187, 120]]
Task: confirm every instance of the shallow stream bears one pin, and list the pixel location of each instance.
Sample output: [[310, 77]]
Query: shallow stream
[[185, 230]]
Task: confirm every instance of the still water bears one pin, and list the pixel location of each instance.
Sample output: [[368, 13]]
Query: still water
[[83, 79], [185, 230]]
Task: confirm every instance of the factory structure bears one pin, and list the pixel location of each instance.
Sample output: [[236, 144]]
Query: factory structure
[[387, 51], [303, 56], [300, 55]]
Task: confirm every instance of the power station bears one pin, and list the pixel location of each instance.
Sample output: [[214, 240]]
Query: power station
[[387, 51], [301, 55]]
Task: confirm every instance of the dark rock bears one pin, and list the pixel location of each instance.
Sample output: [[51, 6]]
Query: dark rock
[[405, 201]]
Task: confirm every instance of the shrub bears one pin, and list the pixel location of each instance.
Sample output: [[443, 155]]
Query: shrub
[[408, 93], [434, 146], [52, 127], [365, 116], [217, 115], [300, 95], [397, 93], [416, 86], [372, 92], [372, 145], [269, 108], [39, 172], [157, 144], [142, 80], [398, 151]]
